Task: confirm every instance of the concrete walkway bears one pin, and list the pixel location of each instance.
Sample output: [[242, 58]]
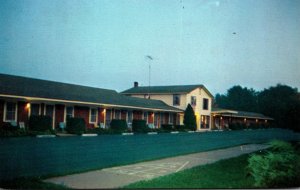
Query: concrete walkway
[[120, 176]]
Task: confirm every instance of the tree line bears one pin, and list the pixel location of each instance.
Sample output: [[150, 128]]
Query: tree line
[[281, 102]]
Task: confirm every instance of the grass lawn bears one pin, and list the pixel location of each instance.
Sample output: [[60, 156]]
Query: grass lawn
[[229, 173]]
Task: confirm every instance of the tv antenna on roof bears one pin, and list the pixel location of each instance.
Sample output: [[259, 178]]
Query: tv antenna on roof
[[149, 58]]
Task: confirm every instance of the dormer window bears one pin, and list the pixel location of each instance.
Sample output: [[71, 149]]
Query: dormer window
[[176, 99]]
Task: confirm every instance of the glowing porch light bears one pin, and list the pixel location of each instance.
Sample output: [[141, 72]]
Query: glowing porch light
[[27, 106]]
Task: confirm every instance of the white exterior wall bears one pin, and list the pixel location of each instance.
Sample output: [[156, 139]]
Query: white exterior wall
[[185, 99], [200, 94]]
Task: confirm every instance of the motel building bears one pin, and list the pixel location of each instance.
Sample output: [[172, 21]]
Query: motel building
[[21, 97], [179, 96], [222, 118]]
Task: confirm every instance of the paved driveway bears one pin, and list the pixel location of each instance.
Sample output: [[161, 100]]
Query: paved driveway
[[120, 176]]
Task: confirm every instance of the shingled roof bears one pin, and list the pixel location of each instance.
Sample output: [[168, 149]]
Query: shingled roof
[[36, 88], [235, 113], [175, 89]]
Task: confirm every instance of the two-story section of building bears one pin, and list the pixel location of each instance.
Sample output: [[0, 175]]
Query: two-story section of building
[[179, 96]]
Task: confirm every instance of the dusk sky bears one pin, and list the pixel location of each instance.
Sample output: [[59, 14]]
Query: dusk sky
[[105, 43]]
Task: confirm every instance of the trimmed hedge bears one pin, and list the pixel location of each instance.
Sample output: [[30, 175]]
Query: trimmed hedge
[[40, 123], [75, 125], [167, 127], [9, 127], [140, 126], [181, 128], [118, 125]]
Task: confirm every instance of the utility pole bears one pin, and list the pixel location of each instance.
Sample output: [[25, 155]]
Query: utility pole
[[149, 58]]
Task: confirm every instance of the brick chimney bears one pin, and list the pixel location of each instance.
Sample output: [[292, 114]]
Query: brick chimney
[[136, 84]]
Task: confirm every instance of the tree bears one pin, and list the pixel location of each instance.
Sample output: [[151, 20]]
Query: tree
[[238, 98], [281, 102], [189, 119]]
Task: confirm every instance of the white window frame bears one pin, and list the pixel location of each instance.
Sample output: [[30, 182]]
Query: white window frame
[[90, 115], [5, 111], [65, 112]]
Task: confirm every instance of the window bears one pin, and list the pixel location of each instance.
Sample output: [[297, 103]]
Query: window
[[93, 115], [129, 119], [146, 116], [69, 111], [176, 99], [193, 100], [10, 111], [171, 118], [205, 103], [49, 111], [35, 109], [117, 114], [205, 121]]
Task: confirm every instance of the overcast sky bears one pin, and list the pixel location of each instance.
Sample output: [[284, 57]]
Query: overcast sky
[[253, 43]]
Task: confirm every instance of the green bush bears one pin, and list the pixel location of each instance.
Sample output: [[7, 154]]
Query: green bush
[[75, 125], [40, 123], [101, 131], [189, 118], [10, 127], [278, 167], [180, 128], [167, 127], [118, 125], [237, 126], [140, 126], [13, 133]]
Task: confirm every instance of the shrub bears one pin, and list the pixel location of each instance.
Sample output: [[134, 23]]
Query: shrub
[[100, 131], [189, 119], [118, 125], [237, 126], [75, 125], [10, 127], [180, 128], [279, 167], [140, 126], [40, 123], [167, 127]]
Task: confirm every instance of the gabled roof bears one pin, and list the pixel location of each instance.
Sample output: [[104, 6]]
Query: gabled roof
[[35, 88], [174, 89], [235, 113]]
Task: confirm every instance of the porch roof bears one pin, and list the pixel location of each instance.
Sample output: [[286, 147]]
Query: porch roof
[[37, 89], [241, 114]]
